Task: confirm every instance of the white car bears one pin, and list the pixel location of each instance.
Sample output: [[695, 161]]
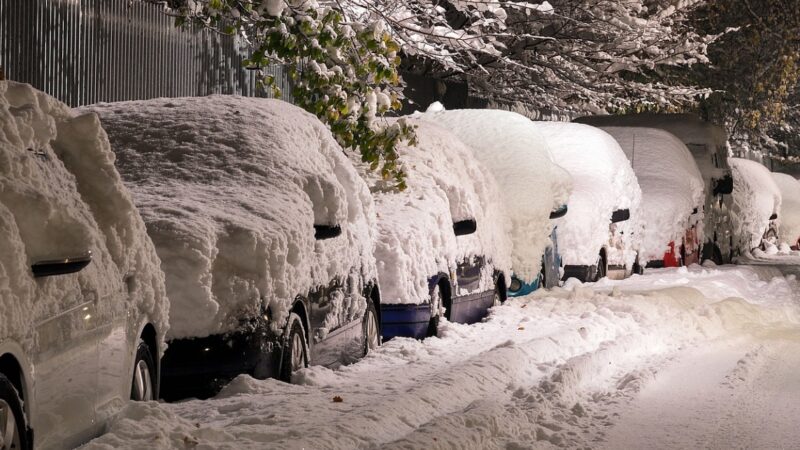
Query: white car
[[672, 195], [534, 190], [81, 292], [601, 233], [790, 209], [265, 230], [756, 205], [443, 248]]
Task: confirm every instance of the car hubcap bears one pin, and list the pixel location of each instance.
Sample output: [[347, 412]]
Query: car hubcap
[[9, 438], [496, 301], [436, 307], [372, 331], [143, 383], [297, 352]]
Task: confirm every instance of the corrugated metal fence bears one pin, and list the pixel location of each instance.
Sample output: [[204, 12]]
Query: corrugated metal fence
[[88, 51]]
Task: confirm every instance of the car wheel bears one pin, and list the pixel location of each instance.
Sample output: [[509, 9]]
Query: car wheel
[[144, 375], [638, 268], [13, 432], [497, 300], [372, 334], [601, 269], [295, 353], [436, 306]]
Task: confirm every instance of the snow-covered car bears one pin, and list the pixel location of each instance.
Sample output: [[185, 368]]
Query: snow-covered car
[[601, 233], [672, 195], [266, 234], [790, 209], [534, 190], [756, 206], [82, 297], [708, 144], [443, 248]]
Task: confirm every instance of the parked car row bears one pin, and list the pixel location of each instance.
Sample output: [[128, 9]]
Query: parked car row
[[187, 241]]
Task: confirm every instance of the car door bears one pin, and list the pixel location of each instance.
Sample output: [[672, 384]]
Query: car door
[[334, 324], [116, 350], [65, 365]]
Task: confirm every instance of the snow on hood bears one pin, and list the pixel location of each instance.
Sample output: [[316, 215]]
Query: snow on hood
[[603, 181], [755, 198], [671, 184], [531, 184], [60, 196], [230, 189], [415, 226], [790, 207]]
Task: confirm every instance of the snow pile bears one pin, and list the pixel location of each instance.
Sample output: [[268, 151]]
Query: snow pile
[[603, 181], [790, 207], [756, 197], [519, 158], [671, 184], [551, 369], [60, 196], [230, 189], [415, 226]]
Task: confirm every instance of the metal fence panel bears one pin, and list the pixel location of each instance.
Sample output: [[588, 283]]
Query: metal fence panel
[[89, 51]]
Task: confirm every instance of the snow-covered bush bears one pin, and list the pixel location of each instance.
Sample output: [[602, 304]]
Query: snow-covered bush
[[672, 187], [790, 208], [756, 198], [60, 196], [531, 185], [415, 226], [230, 189], [602, 182]]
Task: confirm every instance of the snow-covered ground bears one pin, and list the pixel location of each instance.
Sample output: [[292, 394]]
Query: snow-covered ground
[[681, 358]]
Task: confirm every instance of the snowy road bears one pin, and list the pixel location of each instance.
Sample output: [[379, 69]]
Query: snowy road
[[705, 357]]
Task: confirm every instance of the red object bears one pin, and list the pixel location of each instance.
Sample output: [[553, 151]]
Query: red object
[[670, 258]]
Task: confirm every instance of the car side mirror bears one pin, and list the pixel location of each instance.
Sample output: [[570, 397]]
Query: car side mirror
[[61, 266], [773, 216], [620, 215], [322, 232], [463, 227], [723, 185], [559, 212]]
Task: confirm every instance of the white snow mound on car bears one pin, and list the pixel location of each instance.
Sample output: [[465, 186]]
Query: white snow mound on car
[[602, 182], [790, 207], [60, 196], [755, 198], [531, 185], [415, 226], [230, 189], [672, 186]]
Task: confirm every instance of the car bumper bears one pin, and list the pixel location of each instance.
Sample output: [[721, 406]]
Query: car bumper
[[405, 321]]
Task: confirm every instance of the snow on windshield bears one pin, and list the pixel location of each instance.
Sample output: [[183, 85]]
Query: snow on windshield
[[756, 197], [415, 226], [518, 156], [60, 196], [671, 184], [603, 181], [230, 189]]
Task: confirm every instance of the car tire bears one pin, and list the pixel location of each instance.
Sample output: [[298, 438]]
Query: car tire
[[372, 330], [436, 304], [144, 375], [12, 418], [601, 269], [295, 352]]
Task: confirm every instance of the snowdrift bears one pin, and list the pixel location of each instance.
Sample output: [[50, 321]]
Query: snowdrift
[[415, 226], [60, 196], [756, 197], [790, 207], [531, 184], [672, 186], [603, 181], [230, 189]]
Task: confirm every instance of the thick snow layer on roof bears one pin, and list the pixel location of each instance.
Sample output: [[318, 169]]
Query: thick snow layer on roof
[[603, 181], [531, 184], [755, 198], [790, 207], [672, 187], [230, 189], [706, 141], [60, 196], [415, 226]]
